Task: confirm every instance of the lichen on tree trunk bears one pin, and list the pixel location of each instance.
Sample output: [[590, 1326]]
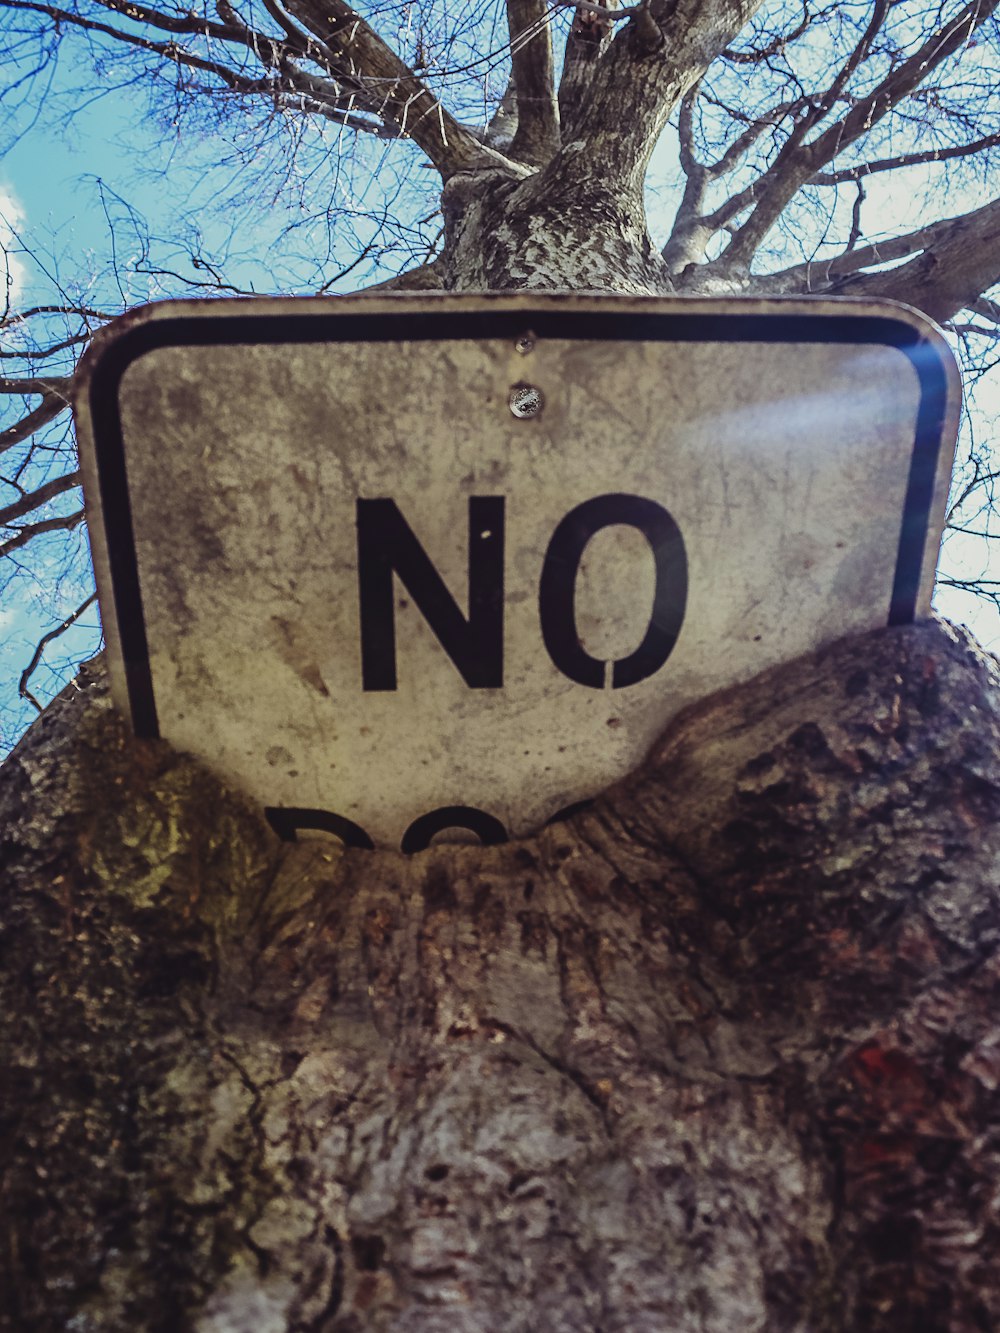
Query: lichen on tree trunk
[[719, 1053]]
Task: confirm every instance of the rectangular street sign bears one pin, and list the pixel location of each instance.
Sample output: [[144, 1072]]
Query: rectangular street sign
[[415, 566]]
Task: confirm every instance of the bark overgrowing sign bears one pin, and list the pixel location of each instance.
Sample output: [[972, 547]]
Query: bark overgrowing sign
[[406, 567]]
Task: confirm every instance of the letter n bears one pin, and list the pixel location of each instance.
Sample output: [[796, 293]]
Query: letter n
[[387, 546]]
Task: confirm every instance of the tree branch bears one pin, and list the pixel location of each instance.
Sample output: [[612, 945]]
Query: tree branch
[[743, 142], [35, 500], [869, 110], [688, 235], [57, 384], [366, 73], [692, 230], [959, 261], [63, 523], [855, 232], [954, 261], [797, 161], [585, 46], [500, 131], [48, 409], [43, 643], [533, 77], [40, 353], [190, 24], [986, 309], [21, 317], [774, 47], [840, 81], [637, 81], [849, 174], [424, 278], [819, 276], [267, 50], [392, 90]]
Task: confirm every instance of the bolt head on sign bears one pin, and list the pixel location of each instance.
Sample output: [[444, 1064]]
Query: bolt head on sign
[[443, 566]]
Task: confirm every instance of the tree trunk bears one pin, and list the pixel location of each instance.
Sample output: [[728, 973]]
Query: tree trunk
[[718, 1054], [550, 231]]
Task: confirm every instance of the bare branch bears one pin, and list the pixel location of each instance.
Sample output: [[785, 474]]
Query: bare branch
[[169, 50], [692, 230], [954, 261], [533, 78], [37, 498], [869, 110], [688, 235], [294, 34], [855, 232], [776, 46], [599, 11], [48, 409], [837, 85], [503, 125], [685, 134], [958, 262], [57, 384], [39, 354], [43, 643], [827, 275], [22, 316], [364, 70], [798, 161], [637, 81], [63, 523], [742, 144], [391, 88], [986, 309], [967, 330], [425, 278], [906, 160], [585, 46], [191, 24], [332, 110]]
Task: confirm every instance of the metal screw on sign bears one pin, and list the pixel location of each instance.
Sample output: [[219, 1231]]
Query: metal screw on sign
[[525, 344], [525, 400]]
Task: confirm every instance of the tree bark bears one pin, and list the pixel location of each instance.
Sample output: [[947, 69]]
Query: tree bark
[[718, 1053]]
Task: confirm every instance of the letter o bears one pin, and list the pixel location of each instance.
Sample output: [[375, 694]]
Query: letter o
[[487, 828], [558, 585]]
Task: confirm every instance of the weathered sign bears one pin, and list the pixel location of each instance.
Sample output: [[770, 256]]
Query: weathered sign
[[402, 567]]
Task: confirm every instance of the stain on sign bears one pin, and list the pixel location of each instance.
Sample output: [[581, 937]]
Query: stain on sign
[[406, 567]]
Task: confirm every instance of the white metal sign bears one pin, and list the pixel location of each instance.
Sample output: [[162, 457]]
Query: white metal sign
[[406, 567]]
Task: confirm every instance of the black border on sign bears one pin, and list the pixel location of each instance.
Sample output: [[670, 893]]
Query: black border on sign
[[252, 329]]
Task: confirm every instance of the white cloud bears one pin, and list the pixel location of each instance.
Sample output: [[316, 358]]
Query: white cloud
[[13, 272]]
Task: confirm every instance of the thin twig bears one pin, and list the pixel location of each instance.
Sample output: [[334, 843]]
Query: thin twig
[[42, 644]]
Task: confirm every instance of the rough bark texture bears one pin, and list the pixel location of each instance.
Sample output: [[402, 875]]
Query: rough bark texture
[[719, 1054], [534, 234]]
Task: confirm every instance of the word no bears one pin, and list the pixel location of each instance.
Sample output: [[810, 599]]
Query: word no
[[387, 546]]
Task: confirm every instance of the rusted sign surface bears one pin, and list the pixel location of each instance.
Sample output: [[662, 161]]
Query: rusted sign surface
[[405, 565]]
